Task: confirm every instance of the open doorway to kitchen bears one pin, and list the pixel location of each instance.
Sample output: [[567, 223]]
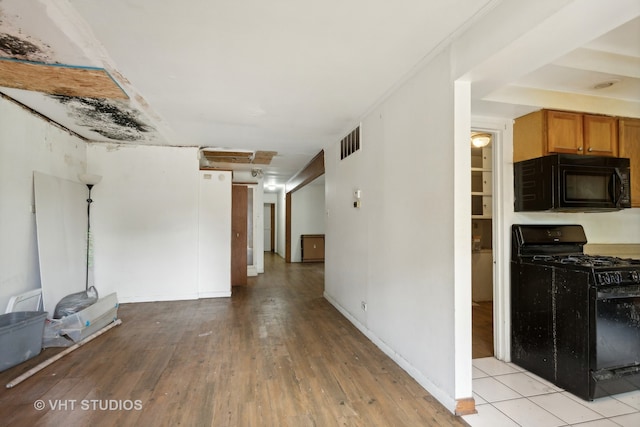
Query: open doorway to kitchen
[[482, 243]]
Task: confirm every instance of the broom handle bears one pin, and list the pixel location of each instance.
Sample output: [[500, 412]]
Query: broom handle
[[60, 355]]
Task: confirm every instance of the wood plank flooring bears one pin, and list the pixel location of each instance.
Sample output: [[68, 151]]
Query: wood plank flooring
[[482, 329], [275, 354]]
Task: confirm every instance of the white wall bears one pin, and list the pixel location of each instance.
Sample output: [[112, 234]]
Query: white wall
[[145, 212], [396, 252], [27, 143], [307, 216], [214, 234]]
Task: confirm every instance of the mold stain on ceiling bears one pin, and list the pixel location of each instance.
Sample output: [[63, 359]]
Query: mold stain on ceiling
[[113, 119], [17, 48], [94, 118]]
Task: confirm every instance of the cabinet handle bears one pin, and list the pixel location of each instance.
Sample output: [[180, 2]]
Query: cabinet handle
[[590, 149], [579, 148]]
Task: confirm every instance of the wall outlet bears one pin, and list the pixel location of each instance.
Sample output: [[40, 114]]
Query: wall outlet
[[363, 306]]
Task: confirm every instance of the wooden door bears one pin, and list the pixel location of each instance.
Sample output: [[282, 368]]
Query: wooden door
[[239, 206]]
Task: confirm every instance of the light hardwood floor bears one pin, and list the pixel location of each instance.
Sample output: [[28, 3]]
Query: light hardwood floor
[[275, 354], [482, 330]]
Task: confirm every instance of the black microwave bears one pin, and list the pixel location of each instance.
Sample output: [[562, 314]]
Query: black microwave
[[572, 183]]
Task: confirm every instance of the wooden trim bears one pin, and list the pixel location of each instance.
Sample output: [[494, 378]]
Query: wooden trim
[[466, 406], [311, 171], [55, 79], [214, 169], [287, 229]]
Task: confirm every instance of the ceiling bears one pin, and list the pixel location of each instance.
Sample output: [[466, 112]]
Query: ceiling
[[280, 76]]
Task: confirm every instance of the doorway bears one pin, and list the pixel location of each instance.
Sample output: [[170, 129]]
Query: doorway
[[269, 227], [482, 257]]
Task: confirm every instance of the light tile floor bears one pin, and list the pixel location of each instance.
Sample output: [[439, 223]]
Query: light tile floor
[[507, 395]]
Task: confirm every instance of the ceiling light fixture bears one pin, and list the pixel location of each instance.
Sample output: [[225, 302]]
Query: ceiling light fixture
[[480, 140]]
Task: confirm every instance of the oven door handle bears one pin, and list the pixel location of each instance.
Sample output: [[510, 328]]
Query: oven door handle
[[616, 292]]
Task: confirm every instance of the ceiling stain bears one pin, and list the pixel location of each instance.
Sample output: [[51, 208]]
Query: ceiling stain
[[20, 48], [110, 118], [16, 47]]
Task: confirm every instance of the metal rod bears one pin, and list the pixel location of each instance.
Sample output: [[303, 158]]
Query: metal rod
[[89, 186], [60, 355]]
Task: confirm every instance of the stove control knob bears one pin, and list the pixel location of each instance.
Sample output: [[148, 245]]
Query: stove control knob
[[635, 276], [604, 278]]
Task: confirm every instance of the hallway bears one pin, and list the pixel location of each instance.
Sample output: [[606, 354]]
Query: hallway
[[275, 354]]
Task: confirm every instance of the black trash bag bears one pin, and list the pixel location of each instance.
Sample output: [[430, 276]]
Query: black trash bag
[[74, 303]]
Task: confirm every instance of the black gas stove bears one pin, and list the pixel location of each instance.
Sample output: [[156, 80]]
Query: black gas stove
[[575, 318]]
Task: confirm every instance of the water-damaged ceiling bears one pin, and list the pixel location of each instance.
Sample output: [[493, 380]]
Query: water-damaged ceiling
[[282, 77]]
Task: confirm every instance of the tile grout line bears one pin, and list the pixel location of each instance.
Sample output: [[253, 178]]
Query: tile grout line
[[601, 416]]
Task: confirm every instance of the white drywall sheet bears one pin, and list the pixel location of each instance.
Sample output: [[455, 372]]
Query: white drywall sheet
[[61, 222]]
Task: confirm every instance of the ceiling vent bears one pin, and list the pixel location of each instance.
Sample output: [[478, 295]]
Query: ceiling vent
[[350, 143]]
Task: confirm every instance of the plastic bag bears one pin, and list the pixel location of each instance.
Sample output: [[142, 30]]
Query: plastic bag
[[74, 303]]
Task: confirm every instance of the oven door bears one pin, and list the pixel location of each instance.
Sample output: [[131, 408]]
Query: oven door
[[617, 322], [593, 187]]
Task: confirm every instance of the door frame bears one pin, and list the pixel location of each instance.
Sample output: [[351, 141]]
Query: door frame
[[501, 133]]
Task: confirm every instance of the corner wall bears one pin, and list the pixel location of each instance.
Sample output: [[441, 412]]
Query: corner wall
[[28, 143]]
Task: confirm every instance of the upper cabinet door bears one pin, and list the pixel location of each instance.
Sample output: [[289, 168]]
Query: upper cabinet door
[[600, 135], [564, 132], [630, 148]]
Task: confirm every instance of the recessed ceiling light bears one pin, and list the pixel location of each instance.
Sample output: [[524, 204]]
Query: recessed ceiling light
[[606, 84]]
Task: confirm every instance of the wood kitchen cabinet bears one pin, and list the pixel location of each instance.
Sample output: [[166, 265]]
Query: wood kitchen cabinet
[[629, 133], [547, 131], [312, 247], [600, 135]]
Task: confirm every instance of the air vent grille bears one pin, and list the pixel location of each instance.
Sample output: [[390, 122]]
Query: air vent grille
[[350, 143]]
